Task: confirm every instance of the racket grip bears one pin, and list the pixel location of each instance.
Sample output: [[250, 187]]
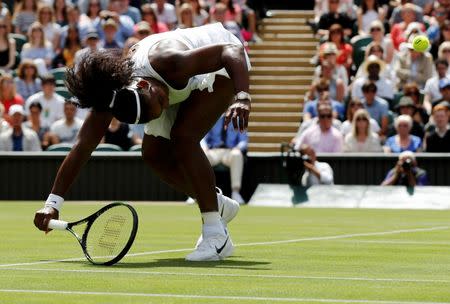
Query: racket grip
[[57, 224]]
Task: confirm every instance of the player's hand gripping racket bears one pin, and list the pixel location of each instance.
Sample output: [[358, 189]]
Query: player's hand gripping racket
[[108, 233]]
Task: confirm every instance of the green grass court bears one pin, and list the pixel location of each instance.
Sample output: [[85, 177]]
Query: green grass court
[[282, 255]]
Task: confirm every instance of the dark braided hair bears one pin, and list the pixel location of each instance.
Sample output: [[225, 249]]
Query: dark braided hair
[[99, 73]]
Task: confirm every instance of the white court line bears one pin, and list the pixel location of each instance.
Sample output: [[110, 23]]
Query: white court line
[[332, 237], [257, 276], [186, 296], [400, 242]]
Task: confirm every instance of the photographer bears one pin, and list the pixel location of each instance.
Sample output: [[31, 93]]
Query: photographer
[[406, 172], [315, 172]]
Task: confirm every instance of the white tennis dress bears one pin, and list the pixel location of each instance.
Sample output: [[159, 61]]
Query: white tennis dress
[[193, 38]]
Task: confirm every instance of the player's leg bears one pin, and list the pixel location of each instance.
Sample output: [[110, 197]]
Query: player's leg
[[195, 118]]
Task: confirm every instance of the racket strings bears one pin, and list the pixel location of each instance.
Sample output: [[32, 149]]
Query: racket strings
[[109, 234]]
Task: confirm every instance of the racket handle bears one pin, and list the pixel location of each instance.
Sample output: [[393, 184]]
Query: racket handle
[[57, 225]]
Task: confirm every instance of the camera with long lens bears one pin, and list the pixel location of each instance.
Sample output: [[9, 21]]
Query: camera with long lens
[[407, 164], [306, 158]]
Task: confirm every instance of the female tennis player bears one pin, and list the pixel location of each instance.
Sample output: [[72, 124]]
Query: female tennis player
[[178, 83]]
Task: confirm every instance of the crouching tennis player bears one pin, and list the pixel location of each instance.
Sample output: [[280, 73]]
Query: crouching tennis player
[[178, 83]]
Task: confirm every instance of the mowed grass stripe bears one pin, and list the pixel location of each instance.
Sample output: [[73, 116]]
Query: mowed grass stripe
[[197, 274], [187, 296]]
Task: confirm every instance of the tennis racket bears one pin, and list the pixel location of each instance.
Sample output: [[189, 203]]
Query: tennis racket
[[108, 233]]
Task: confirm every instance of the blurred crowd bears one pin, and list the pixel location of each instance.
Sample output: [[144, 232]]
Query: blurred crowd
[[372, 92], [39, 39]]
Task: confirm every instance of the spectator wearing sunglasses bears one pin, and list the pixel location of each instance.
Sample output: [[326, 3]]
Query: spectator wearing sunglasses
[[353, 106], [322, 137], [377, 34], [334, 16], [432, 93], [362, 138]]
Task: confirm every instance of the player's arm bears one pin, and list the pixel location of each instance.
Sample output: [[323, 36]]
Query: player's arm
[[89, 136], [177, 66]]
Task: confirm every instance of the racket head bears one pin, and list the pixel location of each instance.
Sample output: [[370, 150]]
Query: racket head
[[109, 233]]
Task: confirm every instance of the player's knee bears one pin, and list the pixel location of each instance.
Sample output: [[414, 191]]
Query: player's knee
[[236, 154]]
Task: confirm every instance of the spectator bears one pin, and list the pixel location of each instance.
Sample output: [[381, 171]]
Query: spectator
[[124, 8], [444, 88], [403, 141], [8, 95], [438, 19], [227, 147], [18, 138], [92, 44], [73, 20], [406, 172], [201, 16], [413, 66], [377, 107], [406, 106], [25, 14], [335, 75], [443, 37], [344, 50], [52, 103], [120, 134], [27, 80], [142, 30], [186, 19], [65, 130], [316, 173], [368, 12], [249, 22], [72, 45], [149, 15], [374, 69], [439, 139], [4, 125], [322, 137], [218, 15], [347, 126], [61, 11], [7, 47], [411, 90], [333, 16], [52, 30], [378, 36], [431, 91], [323, 96], [125, 23], [407, 10], [110, 28], [34, 123], [165, 13], [362, 139], [398, 30], [91, 19], [233, 11], [38, 48], [444, 52]]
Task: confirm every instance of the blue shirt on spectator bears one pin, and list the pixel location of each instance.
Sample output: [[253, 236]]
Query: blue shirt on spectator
[[17, 142], [233, 138], [378, 109], [419, 173], [311, 108], [414, 144]]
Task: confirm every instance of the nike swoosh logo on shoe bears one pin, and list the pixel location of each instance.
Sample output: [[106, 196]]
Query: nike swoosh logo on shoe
[[219, 250]]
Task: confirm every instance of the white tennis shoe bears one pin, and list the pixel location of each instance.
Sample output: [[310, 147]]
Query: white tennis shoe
[[212, 248]]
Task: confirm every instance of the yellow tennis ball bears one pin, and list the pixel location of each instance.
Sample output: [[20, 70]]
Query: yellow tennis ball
[[421, 43]]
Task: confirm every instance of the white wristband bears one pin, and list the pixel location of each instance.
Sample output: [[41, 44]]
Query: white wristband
[[54, 201]]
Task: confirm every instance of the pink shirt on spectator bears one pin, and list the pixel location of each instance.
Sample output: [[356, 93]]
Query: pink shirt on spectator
[[330, 141], [398, 34]]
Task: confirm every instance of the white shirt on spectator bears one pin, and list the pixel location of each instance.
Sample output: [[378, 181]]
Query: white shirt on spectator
[[346, 127], [66, 133], [326, 175], [432, 88], [52, 109], [168, 15], [51, 30], [385, 88]]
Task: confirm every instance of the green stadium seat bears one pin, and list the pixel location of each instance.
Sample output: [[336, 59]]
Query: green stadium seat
[[108, 148], [20, 40], [62, 147], [359, 49], [136, 148], [59, 74], [63, 91]]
